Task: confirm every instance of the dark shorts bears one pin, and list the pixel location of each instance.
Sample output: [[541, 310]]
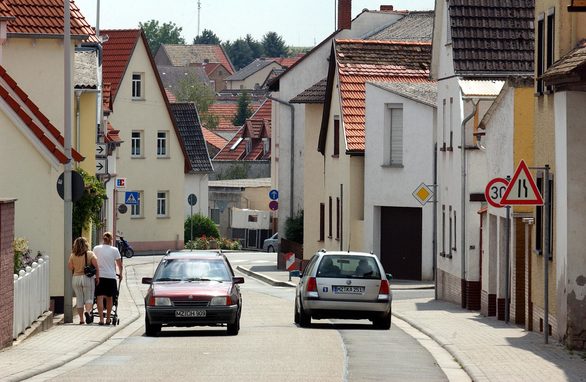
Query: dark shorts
[[106, 287]]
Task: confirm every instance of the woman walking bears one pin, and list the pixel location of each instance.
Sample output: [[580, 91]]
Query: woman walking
[[83, 286]]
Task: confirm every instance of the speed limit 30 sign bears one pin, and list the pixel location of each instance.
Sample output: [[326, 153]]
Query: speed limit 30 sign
[[495, 189]]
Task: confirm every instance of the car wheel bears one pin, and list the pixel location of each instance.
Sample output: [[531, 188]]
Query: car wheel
[[270, 249], [234, 327], [296, 319], [304, 318], [383, 323], [151, 329]]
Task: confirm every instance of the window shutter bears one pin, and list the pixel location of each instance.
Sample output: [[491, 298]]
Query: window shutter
[[396, 136]]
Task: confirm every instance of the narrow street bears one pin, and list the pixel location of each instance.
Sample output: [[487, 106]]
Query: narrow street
[[329, 351]]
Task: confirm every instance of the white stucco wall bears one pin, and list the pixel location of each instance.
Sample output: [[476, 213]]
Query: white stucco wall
[[29, 174], [196, 184], [309, 71], [256, 78], [149, 174], [390, 186]]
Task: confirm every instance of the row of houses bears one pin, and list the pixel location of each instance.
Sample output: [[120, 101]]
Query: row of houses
[[396, 103]]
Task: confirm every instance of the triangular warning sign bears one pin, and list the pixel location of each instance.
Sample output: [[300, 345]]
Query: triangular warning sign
[[131, 199], [522, 189]]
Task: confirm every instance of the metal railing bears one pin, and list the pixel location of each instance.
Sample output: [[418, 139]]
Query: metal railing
[[31, 295]]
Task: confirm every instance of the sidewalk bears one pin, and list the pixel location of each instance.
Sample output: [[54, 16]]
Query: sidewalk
[[66, 342], [488, 349]]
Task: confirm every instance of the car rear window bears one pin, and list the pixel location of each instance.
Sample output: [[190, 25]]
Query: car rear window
[[192, 270], [358, 267]]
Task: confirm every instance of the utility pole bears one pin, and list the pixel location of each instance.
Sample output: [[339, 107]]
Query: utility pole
[[67, 197], [198, 15]]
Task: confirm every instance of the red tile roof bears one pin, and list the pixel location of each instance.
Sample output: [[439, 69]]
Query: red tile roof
[[237, 153], [214, 139], [361, 61], [253, 129], [170, 96], [117, 52], [43, 17], [33, 118], [287, 62], [185, 55], [264, 111], [113, 135], [5, 11], [225, 113]]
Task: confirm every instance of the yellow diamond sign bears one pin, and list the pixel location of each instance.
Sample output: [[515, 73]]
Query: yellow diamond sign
[[423, 193]]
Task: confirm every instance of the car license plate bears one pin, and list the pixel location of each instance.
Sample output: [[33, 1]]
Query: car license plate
[[190, 313], [339, 289]]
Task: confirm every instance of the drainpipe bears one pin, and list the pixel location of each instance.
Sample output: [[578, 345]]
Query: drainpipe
[[292, 161], [463, 196]]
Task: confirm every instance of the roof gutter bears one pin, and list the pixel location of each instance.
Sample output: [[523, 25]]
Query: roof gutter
[[463, 191], [292, 160]]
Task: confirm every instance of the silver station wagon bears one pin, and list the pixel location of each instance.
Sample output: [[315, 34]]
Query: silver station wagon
[[347, 285]]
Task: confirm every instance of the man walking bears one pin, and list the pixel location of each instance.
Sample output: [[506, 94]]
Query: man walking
[[108, 257]]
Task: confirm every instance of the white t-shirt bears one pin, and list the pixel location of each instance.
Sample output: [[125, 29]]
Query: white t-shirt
[[107, 256]]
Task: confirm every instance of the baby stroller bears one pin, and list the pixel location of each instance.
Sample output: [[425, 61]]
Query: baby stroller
[[114, 312]]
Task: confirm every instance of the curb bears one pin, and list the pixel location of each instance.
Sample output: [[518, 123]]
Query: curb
[[471, 370], [266, 279], [75, 354]]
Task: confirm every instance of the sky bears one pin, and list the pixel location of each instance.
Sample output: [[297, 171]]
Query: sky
[[299, 22]]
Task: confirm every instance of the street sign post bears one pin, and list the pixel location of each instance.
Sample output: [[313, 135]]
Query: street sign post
[[495, 190], [423, 194], [101, 166], [121, 183], [131, 198], [191, 200], [101, 151], [274, 205], [273, 194]]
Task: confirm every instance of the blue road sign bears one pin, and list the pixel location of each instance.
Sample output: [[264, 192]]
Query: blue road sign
[[273, 194], [131, 198]]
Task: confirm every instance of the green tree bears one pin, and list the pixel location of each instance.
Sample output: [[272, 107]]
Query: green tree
[[273, 45], [255, 46], [168, 33], [244, 111], [240, 53], [236, 171], [207, 37], [202, 226], [87, 209], [210, 121], [191, 89]]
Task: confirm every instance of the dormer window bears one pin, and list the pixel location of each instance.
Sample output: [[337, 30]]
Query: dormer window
[[266, 146], [248, 145]]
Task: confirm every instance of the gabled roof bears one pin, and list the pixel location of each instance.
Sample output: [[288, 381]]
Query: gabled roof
[[117, 52], [30, 115], [173, 75], [191, 135], [414, 26], [213, 138], [492, 36], [286, 62], [256, 128], [313, 94], [225, 111], [43, 18], [264, 111], [234, 150], [255, 66], [85, 73], [422, 92], [566, 68], [359, 61], [185, 55]]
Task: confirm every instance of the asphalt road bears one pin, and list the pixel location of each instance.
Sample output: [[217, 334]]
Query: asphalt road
[[269, 347]]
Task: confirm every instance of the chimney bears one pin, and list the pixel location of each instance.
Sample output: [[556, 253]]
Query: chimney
[[386, 8], [344, 14]]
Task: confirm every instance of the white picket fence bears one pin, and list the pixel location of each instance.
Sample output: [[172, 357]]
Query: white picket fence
[[31, 295]]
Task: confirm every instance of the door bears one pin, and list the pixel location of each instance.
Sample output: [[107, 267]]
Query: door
[[400, 242]]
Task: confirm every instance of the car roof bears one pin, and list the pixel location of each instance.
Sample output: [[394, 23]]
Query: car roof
[[345, 253], [194, 254]]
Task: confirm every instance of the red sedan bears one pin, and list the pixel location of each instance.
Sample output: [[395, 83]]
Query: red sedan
[[193, 289]]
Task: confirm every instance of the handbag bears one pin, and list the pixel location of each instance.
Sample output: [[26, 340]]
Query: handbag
[[89, 270]]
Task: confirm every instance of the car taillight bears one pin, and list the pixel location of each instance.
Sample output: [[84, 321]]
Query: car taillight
[[312, 288], [152, 300], [384, 291]]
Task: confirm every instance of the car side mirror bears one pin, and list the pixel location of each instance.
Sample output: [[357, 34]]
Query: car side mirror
[[238, 280], [389, 276], [147, 280], [295, 273]]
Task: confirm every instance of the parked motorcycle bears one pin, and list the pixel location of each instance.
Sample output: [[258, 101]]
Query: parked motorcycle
[[124, 247]]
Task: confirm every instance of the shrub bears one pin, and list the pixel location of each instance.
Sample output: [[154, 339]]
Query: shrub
[[204, 242], [294, 228], [202, 226], [22, 254]]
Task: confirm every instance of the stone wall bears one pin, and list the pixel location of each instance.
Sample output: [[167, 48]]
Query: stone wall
[[253, 169], [6, 271]]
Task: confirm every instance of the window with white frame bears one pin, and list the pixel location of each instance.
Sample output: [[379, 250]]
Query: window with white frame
[[136, 209], [162, 204], [137, 88], [394, 135], [136, 144], [162, 150]]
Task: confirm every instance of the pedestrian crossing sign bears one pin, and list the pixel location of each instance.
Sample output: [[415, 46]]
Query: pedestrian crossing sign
[[131, 198]]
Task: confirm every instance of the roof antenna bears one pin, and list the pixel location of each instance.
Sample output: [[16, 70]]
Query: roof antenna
[[198, 15]]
